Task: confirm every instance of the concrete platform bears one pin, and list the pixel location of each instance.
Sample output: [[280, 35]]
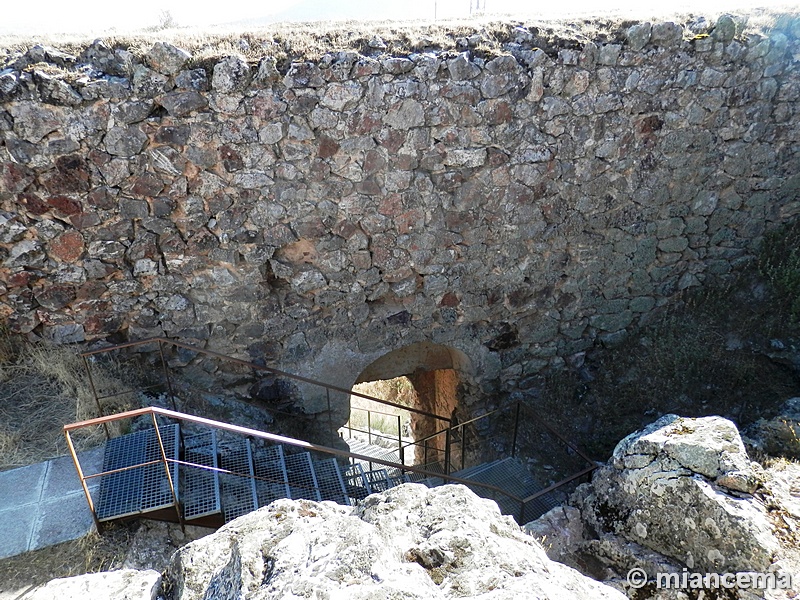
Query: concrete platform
[[44, 504]]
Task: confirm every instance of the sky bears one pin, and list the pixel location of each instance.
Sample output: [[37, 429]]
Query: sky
[[103, 17]]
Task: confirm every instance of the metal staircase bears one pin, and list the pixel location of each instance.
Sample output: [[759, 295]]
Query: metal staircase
[[219, 477]]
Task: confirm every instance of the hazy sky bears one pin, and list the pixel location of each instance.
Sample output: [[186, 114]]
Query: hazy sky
[[104, 16]]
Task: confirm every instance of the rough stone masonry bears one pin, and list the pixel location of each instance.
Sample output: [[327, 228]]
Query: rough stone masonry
[[517, 206]]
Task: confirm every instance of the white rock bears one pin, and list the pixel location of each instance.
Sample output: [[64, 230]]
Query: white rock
[[127, 584]]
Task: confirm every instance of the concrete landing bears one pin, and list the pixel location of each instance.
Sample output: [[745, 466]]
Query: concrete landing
[[44, 504]]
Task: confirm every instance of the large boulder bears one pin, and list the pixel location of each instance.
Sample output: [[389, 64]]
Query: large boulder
[[408, 542], [680, 494]]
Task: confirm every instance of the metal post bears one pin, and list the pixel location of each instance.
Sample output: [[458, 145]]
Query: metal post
[[463, 447], [447, 439], [330, 417], [425, 454], [94, 393], [516, 430], [169, 475], [85, 487], [166, 375], [369, 427], [399, 437]]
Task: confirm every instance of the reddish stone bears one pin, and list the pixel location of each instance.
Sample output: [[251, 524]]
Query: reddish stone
[[55, 296], [391, 205], [33, 203], [320, 170], [99, 158], [16, 177], [102, 197], [65, 206], [147, 185], [365, 123], [91, 290], [84, 220], [20, 279], [449, 299], [327, 147], [345, 229], [369, 187], [404, 162], [71, 175], [409, 221], [374, 162], [392, 139], [102, 324], [231, 159], [497, 157], [498, 113], [68, 247]]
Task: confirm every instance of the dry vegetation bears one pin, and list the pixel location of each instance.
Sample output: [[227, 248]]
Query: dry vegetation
[[42, 388], [730, 348], [288, 42]]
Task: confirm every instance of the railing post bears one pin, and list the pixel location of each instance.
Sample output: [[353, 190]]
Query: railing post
[[516, 430], [463, 447], [94, 393], [447, 439], [166, 375], [85, 487], [169, 475], [399, 437], [330, 416], [369, 427]]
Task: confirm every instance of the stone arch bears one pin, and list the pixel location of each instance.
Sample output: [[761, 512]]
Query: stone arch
[[439, 375]]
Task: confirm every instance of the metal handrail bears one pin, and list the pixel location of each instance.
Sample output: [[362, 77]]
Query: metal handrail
[[272, 370], [246, 431]]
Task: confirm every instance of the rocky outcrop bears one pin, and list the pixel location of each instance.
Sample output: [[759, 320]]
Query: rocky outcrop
[[516, 204], [408, 542], [126, 584], [680, 494]]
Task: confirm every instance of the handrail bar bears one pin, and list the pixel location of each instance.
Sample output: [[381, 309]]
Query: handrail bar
[[558, 484], [261, 368], [452, 427], [377, 412], [246, 431]]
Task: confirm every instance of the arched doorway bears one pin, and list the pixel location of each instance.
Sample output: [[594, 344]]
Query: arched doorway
[[430, 377]]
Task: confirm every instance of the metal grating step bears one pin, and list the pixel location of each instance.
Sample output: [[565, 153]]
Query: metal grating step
[[330, 482], [302, 479], [143, 488], [356, 482], [511, 475], [357, 446], [201, 491], [270, 469], [238, 493], [379, 480]]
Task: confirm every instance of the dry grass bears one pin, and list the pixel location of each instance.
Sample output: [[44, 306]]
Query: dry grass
[[310, 41], [90, 554], [42, 388], [383, 418]]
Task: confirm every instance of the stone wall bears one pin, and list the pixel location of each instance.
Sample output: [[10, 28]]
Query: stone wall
[[516, 205]]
